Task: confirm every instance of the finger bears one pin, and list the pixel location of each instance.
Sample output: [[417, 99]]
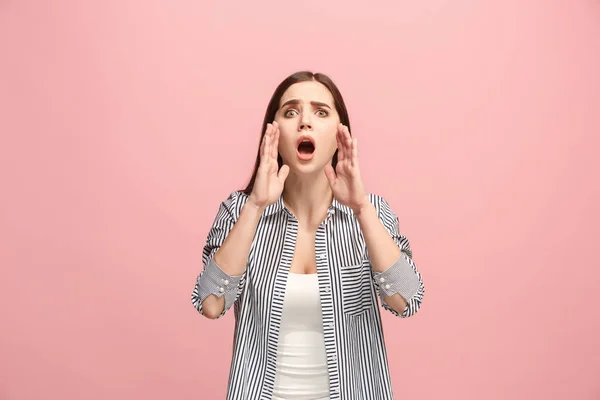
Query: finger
[[274, 128], [267, 152], [263, 143], [330, 173], [275, 142], [283, 173], [340, 142], [354, 152], [348, 142], [344, 143]]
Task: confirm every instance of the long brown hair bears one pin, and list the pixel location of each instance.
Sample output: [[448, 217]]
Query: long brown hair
[[273, 106]]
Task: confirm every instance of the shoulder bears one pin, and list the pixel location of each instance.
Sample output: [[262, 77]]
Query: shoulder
[[238, 197], [384, 210], [379, 201], [234, 202], [375, 198]]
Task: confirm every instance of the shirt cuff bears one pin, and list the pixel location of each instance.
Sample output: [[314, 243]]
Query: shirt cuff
[[214, 281], [399, 278]]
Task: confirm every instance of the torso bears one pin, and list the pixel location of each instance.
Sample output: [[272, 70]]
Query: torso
[[301, 368], [304, 254], [353, 345]]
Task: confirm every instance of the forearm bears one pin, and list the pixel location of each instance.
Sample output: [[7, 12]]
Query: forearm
[[394, 276], [232, 256], [377, 238], [230, 260]]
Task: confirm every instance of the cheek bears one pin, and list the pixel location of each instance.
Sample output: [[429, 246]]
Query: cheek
[[286, 144], [330, 142]]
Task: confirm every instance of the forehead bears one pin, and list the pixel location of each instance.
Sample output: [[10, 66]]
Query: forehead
[[308, 91]]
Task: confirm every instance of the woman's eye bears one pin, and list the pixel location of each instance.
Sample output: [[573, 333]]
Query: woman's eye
[[288, 113], [322, 113]]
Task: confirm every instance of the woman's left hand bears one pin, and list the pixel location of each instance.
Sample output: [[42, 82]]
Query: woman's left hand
[[345, 181]]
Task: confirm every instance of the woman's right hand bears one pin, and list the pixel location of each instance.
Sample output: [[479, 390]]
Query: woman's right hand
[[269, 181]]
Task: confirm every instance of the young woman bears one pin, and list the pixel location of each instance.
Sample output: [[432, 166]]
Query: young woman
[[304, 253]]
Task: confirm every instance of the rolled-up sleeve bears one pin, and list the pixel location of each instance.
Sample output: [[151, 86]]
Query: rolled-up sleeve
[[212, 280], [402, 277]]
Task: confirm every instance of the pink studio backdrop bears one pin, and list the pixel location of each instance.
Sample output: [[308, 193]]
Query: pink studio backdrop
[[125, 123]]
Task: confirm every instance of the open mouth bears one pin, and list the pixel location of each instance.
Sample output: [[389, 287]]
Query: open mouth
[[306, 147]]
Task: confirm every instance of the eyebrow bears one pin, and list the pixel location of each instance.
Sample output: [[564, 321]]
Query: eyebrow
[[314, 103]]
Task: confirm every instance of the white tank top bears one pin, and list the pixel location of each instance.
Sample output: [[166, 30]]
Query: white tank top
[[301, 371]]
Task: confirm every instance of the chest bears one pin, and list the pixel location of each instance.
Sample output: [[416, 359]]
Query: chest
[[282, 246], [304, 260], [336, 252]]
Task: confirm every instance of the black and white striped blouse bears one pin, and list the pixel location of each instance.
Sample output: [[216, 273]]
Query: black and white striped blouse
[[349, 289]]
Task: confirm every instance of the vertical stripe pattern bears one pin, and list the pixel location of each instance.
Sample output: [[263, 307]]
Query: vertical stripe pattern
[[353, 335]]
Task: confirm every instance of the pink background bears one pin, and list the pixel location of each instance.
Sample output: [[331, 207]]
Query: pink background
[[125, 123]]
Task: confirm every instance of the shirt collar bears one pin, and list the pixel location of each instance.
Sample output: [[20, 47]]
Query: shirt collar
[[279, 206]]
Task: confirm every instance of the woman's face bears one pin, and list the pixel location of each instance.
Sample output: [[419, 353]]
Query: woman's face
[[308, 124]]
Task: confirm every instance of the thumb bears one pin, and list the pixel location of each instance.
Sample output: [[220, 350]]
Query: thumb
[[330, 173], [283, 173]]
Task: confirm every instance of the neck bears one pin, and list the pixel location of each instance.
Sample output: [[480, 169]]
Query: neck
[[308, 197]]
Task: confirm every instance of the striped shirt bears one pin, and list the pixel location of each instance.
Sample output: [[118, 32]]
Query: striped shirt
[[349, 290]]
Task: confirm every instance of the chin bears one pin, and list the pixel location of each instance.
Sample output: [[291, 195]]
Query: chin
[[308, 167]]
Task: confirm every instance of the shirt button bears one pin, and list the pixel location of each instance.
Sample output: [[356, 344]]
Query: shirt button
[[387, 286], [322, 256], [221, 290], [327, 289], [226, 282], [381, 280]]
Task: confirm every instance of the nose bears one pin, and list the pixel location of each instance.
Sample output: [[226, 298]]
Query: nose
[[305, 123]]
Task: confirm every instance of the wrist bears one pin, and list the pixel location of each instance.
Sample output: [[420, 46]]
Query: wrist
[[363, 209], [254, 207]]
